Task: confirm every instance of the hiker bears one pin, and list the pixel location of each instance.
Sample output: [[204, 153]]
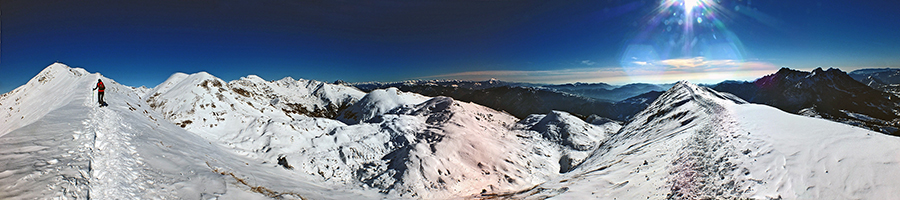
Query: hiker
[[100, 92]]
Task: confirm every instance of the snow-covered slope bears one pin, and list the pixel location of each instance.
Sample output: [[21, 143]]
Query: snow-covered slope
[[440, 148], [206, 105], [194, 136], [377, 103], [407, 145], [73, 149], [576, 137], [696, 143], [402, 144], [28, 102]]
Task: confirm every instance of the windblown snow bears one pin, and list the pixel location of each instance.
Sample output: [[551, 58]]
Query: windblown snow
[[196, 136]]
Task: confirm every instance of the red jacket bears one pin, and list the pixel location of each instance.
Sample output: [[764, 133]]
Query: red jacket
[[100, 86]]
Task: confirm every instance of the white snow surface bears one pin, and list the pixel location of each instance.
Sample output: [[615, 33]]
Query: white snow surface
[[696, 143], [73, 149], [208, 106], [27, 103], [377, 103], [197, 137], [400, 144], [251, 139]]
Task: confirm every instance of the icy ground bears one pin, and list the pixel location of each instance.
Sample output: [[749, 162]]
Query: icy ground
[[198, 137]]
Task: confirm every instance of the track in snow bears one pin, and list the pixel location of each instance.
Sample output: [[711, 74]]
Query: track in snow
[[116, 166], [703, 168]]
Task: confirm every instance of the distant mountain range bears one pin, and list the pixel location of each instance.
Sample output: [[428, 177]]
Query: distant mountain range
[[829, 94], [474, 85], [523, 99], [885, 79], [597, 91], [606, 92]]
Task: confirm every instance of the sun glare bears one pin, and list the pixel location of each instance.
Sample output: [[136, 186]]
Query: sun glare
[[689, 5], [685, 30]]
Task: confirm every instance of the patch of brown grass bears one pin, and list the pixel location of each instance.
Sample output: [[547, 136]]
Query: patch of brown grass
[[258, 189]]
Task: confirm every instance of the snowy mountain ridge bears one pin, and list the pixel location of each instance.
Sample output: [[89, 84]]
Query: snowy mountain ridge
[[377, 140], [25, 104], [257, 139], [696, 143], [126, 150], [405, 146], [205, 104]]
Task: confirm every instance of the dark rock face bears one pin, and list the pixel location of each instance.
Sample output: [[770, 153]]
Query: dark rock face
[[830, 94]]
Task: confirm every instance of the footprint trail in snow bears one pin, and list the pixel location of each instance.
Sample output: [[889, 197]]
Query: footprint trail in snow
[[117, 166]]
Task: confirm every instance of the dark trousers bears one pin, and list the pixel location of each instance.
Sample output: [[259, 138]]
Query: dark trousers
[[100, 97]]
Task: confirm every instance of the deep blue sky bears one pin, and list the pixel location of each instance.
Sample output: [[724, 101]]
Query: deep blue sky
[[390, 40]]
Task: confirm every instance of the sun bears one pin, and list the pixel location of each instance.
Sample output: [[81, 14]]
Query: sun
[[689, 5]]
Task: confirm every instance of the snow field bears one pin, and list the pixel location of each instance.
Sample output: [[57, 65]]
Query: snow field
[[37, 163], [819, 160]]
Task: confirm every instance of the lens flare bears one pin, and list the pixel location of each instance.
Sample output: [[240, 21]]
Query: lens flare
[[684, 29], [689, 5]]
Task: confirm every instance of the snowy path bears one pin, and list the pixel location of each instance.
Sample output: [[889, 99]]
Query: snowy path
[[116, 166], [703, 167]]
